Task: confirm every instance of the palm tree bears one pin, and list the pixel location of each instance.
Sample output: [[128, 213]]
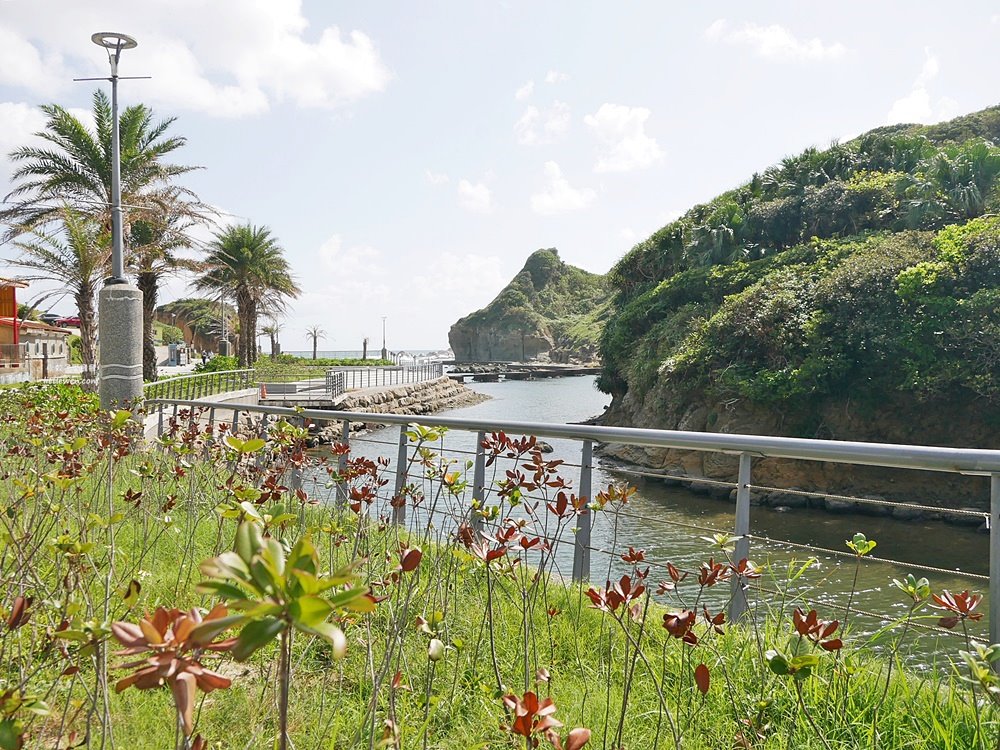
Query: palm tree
[[78, 263], [74, 168], [272, 331], [247, 264], [156, 239], [315, 333]]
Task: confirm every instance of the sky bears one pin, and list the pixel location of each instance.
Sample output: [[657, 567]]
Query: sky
[[409, 157]]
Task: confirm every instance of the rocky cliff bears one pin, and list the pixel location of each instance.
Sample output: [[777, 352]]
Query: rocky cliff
[[550, 311], [851, 293]]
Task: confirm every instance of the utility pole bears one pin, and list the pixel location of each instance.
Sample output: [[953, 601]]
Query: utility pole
[[385, 354]]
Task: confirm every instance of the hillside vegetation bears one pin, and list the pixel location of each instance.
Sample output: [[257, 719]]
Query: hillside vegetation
[[549, 309], [849, 293]]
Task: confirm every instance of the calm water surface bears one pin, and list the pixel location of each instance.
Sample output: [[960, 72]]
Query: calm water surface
[[657, 518]]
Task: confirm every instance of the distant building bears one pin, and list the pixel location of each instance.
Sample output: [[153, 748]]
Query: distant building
[[43, 351], [11, 352]]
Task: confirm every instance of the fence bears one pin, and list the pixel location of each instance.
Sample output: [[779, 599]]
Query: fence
[[189, 387], [376, 377], [746, 447]]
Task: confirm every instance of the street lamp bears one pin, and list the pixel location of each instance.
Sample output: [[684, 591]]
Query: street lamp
[[385, 354], [119, 303]]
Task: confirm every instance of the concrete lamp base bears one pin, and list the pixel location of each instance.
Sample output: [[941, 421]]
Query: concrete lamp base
[[120, 350]]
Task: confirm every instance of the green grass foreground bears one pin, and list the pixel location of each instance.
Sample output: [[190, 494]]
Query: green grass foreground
[[401, 636]]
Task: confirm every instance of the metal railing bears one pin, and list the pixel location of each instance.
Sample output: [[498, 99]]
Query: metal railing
[[200, 385], [377, 377], [12, 356], [747, 447]]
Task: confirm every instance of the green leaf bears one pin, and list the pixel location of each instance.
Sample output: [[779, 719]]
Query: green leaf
[[331, 633], [222, 589], [208, 630], [310, 610], [255, 635], [353, 600], [776, 662], [121, 417], [248, 541], [253, 445], [9, 734], [805, 661]]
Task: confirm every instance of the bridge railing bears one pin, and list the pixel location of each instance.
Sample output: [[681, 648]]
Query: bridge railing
[[746, 447], [199, 385]]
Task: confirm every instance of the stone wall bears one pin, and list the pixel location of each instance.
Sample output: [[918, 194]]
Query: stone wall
[[414, 398]]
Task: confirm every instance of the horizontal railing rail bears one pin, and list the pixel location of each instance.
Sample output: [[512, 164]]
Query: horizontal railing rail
[[968, 461], [199, 385], [356, 378]]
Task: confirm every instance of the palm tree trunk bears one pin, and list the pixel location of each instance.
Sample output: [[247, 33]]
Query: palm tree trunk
[[88, 326], [314, 346], [148, 283]]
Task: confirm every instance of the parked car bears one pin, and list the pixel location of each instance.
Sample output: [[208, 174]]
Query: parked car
[[73, 322], [49, 318]]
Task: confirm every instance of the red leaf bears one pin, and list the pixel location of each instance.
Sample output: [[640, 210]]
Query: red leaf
[[577, 738], [411, 560], [702, 678]]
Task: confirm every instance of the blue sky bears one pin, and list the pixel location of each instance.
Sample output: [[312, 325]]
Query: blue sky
[[410, 156]]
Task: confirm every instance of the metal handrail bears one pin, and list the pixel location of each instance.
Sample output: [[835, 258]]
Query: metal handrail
[[971, 461], [199, 385], [968, 461]]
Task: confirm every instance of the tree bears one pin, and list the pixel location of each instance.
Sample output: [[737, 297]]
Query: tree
[[272, 331], [315, 333], [247, 264], [78, 263], [74, 169], [156, 239]]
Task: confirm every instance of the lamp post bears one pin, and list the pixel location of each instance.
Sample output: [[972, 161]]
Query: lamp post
[[119, 303], [385, 354]]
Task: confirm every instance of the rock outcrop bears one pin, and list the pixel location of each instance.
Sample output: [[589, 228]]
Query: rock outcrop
[[549, 311]]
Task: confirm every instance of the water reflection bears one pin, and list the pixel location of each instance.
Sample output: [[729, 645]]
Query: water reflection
[[669, 523]]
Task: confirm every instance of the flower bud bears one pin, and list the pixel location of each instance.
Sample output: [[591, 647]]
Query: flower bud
[[435, 650]]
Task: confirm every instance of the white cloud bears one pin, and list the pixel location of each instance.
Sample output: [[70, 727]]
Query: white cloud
[[20, 123], [622, 130], [559, 196], [475, 197], [535, 127], [464, 279], [556, 76], [358, 270], [628, 234], [436, 178], [919, 105], [774, 42], [525, 91], [268, 54]]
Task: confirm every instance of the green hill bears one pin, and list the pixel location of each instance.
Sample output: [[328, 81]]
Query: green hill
[[848, 293], [549, 310]]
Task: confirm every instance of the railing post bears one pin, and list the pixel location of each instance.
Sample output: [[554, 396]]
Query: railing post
[[479, 481], [995, 558], [399, 511], [581, 550], [738, 601], [236, 420], [345, 438], [159, 422]]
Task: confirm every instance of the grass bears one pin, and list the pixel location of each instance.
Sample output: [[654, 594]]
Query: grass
[[99, 529]]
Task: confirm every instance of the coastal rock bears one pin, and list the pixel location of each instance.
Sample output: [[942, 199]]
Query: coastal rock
[[550, 311]]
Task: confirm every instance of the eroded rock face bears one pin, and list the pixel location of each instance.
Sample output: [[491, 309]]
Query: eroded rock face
[[496, 343], [901, 423]]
